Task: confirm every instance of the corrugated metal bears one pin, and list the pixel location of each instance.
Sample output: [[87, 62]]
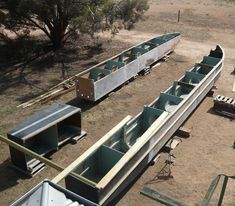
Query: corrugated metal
[[49, 194]]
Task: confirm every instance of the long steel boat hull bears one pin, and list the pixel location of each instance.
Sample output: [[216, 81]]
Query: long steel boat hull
[[115, 160], [106, 76]]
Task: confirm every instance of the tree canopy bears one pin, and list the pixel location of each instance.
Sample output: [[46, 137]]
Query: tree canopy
[[60, 19]]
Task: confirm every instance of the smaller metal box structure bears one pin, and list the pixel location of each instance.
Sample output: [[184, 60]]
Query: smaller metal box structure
[[224, 106], [49, 194], [43, 133]]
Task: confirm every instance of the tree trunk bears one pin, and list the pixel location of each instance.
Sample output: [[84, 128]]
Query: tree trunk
[[57, 38], [58, 32]]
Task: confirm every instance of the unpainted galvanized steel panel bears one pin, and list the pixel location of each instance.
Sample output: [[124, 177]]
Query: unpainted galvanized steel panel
[[42, 120], [120, 76], [115, 79]]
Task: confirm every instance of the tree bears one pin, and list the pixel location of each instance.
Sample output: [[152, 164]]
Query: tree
[[60, 19]]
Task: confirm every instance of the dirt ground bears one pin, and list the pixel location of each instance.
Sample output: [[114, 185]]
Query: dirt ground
[[206, 153]]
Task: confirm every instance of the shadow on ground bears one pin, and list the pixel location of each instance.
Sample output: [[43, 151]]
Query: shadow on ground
[[8, 176], [14, 52], [21, 58], [213, 112]]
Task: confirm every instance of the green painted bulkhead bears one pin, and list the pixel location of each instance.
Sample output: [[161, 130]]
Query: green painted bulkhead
[[101, 161], [107, 155], [167, 102], [98, 73], [192, 78], [180, 89]]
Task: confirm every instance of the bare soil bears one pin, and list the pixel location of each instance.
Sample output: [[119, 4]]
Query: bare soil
[[206, 153]]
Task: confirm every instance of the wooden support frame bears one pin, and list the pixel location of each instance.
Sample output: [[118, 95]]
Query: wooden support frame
[[40, 158], [31, 153]]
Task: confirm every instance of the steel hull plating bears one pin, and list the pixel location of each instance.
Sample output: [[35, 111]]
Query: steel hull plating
[[171, 109], [92, 90]]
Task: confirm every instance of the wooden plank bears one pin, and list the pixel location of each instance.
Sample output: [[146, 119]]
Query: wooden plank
[[31, 153], [162, 198], [47, 96], [39, 98], [183, 132], [175, 143], [172, 144], [74, 164], [41, 158], [144, 138], [57, 94]]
